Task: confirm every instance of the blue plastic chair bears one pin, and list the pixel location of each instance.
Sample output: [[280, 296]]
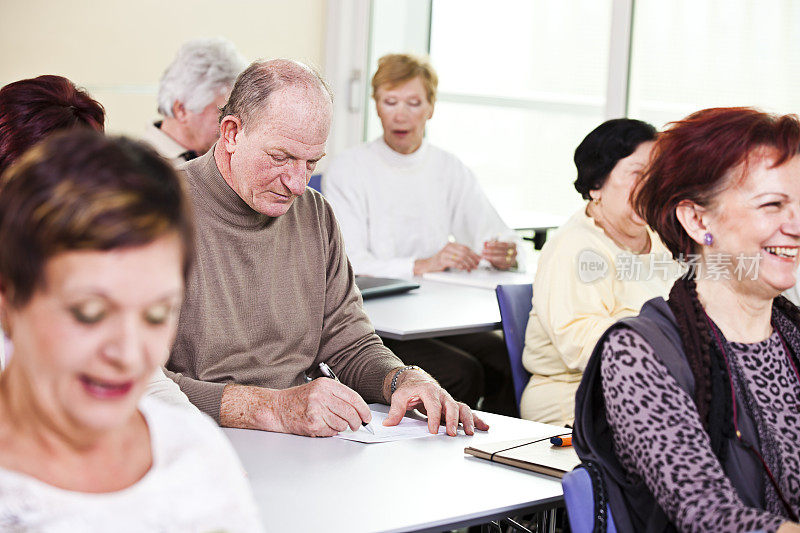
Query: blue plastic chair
[[579, 499], [515, 306], [316, 182]]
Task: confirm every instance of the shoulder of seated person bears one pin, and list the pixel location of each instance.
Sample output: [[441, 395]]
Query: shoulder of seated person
[[185, 424], [622, 335], [448, 158], [348, 155], [349, 166], [313, 211], [574, 238]]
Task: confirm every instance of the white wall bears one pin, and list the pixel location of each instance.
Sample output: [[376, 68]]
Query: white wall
[[118, 49]]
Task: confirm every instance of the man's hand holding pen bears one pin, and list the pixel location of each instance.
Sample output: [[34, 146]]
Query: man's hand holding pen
[[324, 407], [321, 408]]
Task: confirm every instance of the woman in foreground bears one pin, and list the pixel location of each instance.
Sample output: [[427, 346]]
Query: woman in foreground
[[96, 238], [691, 409], [32, 109]]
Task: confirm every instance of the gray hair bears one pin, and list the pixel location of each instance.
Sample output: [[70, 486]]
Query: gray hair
[[202, 70], [253, 87]]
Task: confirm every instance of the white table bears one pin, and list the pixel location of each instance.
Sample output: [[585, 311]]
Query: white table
[[436, 309], [427, 484], [526, 219]]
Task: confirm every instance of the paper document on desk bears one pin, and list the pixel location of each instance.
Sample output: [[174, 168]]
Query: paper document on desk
[[484, 278], [408, 428]]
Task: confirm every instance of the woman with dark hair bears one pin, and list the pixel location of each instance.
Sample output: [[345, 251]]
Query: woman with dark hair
[[602, 265], [34, 108], [690, 410], [96, 239]]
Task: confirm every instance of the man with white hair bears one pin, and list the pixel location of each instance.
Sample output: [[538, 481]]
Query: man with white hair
[[271, 295], [192, 89]]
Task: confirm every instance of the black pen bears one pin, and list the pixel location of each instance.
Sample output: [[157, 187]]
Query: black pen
[[328, 373]]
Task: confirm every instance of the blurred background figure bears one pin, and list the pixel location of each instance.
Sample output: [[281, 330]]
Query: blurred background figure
[[97, 238], [573, 307], [406, 208], [191, 91], [32, 109]]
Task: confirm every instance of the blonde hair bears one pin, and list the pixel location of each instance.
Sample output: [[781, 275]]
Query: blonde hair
[[394, 69]]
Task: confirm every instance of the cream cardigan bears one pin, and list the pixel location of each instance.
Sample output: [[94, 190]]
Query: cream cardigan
[[584, 283]]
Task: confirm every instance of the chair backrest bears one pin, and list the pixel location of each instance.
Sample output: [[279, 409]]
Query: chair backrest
[[580, 500], [515, 306], [316, 182]]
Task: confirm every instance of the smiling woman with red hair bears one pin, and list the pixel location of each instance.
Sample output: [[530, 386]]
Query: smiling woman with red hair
[[690, 410]]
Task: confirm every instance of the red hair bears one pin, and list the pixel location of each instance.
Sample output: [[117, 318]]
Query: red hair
[[692, 161], [34, 108]]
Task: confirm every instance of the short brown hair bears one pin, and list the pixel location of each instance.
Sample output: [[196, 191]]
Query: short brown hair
[[253, 87], [394, 69], [692, 161], [79, 190]]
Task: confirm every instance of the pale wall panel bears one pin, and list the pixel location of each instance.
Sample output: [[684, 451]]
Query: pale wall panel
[[118, 49]]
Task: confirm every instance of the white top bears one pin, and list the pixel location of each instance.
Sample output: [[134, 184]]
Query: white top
[[196, 483], [166, 146], [5, 345], [166, 390], [395, 208]]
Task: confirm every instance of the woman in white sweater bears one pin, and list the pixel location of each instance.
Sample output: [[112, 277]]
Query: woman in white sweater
[[96, 241], [407, 208]]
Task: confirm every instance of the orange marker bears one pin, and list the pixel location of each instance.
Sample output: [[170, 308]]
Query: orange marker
[[561, 441]]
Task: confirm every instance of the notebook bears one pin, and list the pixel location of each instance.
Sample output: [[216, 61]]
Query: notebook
[[371, 287], [536, 455]]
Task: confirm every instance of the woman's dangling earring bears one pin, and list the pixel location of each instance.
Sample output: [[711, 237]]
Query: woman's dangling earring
[[708, 239]]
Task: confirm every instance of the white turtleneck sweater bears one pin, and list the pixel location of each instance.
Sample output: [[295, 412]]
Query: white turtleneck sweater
[[394, 209]]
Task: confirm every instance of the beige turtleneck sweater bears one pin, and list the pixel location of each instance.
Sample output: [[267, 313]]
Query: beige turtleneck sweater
[[269, 298]]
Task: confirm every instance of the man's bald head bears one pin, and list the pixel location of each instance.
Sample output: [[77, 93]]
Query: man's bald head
[[253, 88]]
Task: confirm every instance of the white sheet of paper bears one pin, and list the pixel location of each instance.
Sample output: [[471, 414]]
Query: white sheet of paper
[[408, 428], [482, 277]]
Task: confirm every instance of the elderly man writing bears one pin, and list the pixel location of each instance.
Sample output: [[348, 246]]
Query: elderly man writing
[[272, 293], [190, 93]]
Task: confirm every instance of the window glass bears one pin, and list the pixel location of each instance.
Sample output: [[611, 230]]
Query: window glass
[[522, 157], [689, 55], [521, 82], [395, 27]]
